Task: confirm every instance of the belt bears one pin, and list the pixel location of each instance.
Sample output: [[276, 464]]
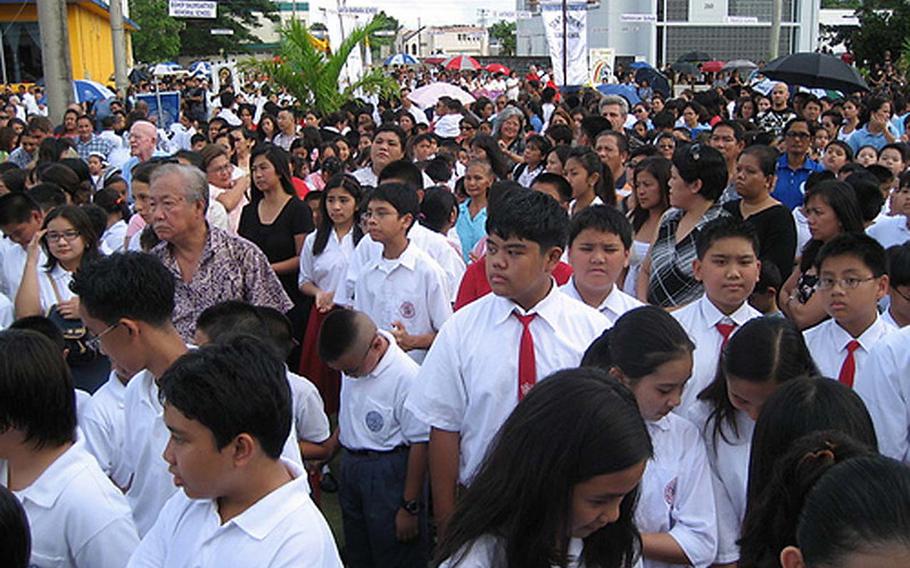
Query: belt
[[377, 453]]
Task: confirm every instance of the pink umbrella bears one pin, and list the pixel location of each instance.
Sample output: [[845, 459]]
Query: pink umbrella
[[497, 68], [462, 63], [712, 66]]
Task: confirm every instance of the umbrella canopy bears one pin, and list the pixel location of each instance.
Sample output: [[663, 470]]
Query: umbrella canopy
[[629, 92], [200, 69], [815, 70], [498, 68], [741, 65], [636, 65], [694, 57], [137, 75], [400, 59], [427, 96], [684, 67], [712, 66], [462, 63], [658, 82], [87, 91], [169, 68]]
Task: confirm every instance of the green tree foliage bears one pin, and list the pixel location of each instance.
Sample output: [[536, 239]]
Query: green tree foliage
[[504, 32], [883, 27], [312, 75], [157, 39], [241, 16]]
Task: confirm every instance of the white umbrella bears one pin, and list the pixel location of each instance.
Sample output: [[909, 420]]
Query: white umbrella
[[167, 69], [425, 97], [741, 65]]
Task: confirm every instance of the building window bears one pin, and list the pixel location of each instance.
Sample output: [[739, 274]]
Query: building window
[[22, 52]]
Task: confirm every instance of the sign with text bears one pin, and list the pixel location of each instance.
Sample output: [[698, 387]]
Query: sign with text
[[566, 29], [358, 10], [638, 18], [192, 9]]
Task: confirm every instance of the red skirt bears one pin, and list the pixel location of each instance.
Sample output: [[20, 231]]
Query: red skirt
[[327, 380]]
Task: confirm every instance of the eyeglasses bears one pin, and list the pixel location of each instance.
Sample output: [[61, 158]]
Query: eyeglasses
[[845, 283], [354, 371], [94, 343], [467, 127], [378, 214], [793, 134], [69, 236]]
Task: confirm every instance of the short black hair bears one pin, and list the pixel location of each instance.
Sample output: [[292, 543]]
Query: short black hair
[[868, 194], [231, 318], [233, 388], [604, 219], [704, 163], [36, 390], [724, 228], [562, 185], [591, 126], [529, 215], [899, 265], [859, 246], [560, 133], [131, 285], [44, 326], [394, 129], [279, 330], [17, 208], [399, 196], [338, 334], [15, 538], [768, 278], [404, 172], [738, 131], [438, 170], [47, 195]]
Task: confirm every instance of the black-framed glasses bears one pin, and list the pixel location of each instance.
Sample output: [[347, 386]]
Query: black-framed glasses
[[845, 283], [794, 134]]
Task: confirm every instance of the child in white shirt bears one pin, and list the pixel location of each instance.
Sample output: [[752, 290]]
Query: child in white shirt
[[898, 311]]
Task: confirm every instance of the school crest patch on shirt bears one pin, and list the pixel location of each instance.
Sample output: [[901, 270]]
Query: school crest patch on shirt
[[670, 492], [374, 421], [407, 310]]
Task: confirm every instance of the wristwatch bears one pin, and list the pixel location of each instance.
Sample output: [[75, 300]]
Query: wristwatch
[[411, 507]]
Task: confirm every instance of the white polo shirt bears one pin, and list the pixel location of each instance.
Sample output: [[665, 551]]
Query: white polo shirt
[[886, 391], [76, 516], [13, 265], [283, 529], [103, 426], [614, 305], [469, 380], [310, 421], [699, 319], [890, 231], [411, 289], [328, 269], [372, 414], [827, 343]]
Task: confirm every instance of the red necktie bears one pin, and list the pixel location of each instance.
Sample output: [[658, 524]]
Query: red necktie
[[527, 367], [725, 330], [848, 368]]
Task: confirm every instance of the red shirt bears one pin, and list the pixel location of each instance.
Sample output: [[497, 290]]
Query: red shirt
[[474, 283], [300, 187]]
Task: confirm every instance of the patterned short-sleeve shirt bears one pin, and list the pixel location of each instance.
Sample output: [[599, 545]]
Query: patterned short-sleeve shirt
[[230, 268]]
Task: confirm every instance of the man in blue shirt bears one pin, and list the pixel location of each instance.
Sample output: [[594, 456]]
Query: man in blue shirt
[[794, 166]]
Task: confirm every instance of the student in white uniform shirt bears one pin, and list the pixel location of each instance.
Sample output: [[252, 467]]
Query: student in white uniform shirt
[[475, 373], [852, 279], [764, 354], [104, 424], [886, 392], [898, 309], [404, 290], [650, 353], [76, 516], [728, 267], [6, 311], [894, 230], [586, 175], [228, 410], [20, 219], [384, 446], [560, 481], [599, 241]]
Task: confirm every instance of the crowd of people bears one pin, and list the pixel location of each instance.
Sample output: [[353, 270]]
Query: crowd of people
[[544, 328]]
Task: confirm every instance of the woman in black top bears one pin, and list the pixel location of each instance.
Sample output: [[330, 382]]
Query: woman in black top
[[772, 221]]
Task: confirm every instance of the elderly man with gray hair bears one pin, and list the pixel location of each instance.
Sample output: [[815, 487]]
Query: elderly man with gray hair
[[209, 264], [615, 109]]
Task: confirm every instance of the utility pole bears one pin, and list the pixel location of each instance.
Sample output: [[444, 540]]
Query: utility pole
[[119, 41], [55, 57], [565, 42], [774, 47]]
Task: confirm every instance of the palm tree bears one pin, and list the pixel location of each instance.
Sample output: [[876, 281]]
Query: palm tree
[[312, 75]]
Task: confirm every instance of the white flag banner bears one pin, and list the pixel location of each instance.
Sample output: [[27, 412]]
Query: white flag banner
[[339, 25], [576, 40]]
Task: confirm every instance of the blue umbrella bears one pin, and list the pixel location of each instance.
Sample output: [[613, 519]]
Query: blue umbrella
[[629, 92], [636, 65], [200, 69], [658, 82], [400, 59], [87, 91]]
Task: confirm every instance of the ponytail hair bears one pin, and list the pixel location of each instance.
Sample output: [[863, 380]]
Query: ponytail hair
[[591, 163]]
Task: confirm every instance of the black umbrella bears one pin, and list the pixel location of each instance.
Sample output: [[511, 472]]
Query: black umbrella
[[685, 68], [694, 57], [815, 70], [137, 76], [654, 78]]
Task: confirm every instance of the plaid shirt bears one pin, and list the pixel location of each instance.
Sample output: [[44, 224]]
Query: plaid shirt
[[95, 144]]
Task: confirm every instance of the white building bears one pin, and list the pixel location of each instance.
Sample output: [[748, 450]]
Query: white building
[[449, 40], [725, 29]]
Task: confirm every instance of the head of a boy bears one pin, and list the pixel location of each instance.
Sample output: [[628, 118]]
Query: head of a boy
[[39, 403], [349, 343], [727, 263], [224, 321], [228, 409], [391, 211], [764, 297], [599, 241], [899, 281], [554, 185], [526, 233], [123, 299], [852, 278]]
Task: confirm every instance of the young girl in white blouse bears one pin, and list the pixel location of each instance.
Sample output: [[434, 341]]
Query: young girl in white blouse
[[651, 354], [323, 265], [558, 487], [764, 354]]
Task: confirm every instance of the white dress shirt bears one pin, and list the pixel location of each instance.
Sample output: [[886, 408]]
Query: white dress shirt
[[114, 237], [886, 391], [699, 319], [61, 279], [469, 380], [411, 289], [103, 426], [76, 516], [614, 305], [328, 269], [7, 315], [488, 551], [827, 343], [888, 318], [310, 421], [284, 529], [373, 415], [677, 493], [366, 176], [12, 265], [890, 231]]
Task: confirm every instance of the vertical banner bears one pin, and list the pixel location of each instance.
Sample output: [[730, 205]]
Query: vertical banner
[[603, 61], [576, 40], [165, 106]]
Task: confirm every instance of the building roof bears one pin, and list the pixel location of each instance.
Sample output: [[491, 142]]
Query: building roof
[[98, 6]]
